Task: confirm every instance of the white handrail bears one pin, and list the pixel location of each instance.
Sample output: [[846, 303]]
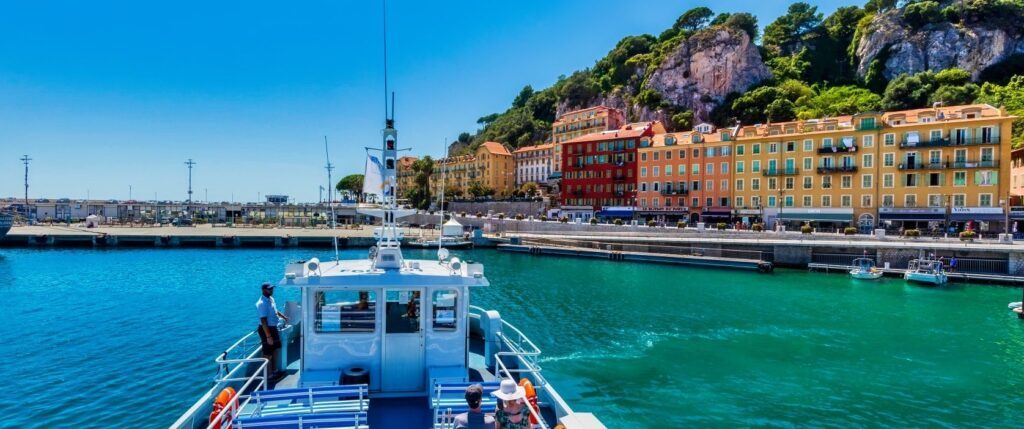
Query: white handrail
[[233, 405]]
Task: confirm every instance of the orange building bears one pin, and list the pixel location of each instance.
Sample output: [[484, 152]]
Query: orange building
[[578, 123], [685, 176]]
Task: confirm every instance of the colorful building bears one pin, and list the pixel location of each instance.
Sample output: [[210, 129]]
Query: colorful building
[[533, 163], [406, 176], [578, 123], [599, 171], [491, 167], [922, 168], [685, 176]]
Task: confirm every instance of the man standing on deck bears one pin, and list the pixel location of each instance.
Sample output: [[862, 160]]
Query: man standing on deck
[[270, 337]]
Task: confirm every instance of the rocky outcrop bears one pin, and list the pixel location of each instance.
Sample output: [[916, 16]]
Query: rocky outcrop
[[933, 47], [706, 67], [696, 76]]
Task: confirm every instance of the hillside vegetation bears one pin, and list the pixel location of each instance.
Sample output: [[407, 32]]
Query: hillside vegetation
[[813, 62]]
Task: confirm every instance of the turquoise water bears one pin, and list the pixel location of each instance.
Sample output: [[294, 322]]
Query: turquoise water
[[127, 337]]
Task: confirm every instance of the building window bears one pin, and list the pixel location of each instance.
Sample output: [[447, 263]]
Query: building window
[[755, 166], [826, 182], [808, 182], [910, 180], [887, 201], [959, 200], [888, 160], [709, 168], [755, 184], [725, 168], [934, 200], [643, 172], [889, 139], [790, 183], [826, 201], [788, 201], [771, 201], [808, 145], [773, 147], [739, 184], [865, 201], [345, 311], [846, 201], [643, 186], [695, 168], [910, 200], [655, 171], [935, 179], [739, 201], [807, 164], [846, 182], [868, 160], [869, 141], [739, 149], [985, 200], [807, 201], [739, 166], [756, 148], [445, 307], [865, 181], [960, 178]]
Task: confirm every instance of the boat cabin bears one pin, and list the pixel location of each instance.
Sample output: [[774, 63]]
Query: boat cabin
[[394, 324]]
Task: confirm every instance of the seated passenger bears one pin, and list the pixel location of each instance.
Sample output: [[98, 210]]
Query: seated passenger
[[514, 414], [364, 301], [475, 417]]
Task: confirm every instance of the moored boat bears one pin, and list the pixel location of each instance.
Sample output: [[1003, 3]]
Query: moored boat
[[381, 342], [926, 271], [865, 269], [6, 222]]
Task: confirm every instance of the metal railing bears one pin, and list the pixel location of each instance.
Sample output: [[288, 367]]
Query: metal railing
[[976, 164], [826, 169], [836, 149], [939, 142], [523, 354], [781, 172]]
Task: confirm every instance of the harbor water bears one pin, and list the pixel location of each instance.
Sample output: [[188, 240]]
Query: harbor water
[[127, 338]]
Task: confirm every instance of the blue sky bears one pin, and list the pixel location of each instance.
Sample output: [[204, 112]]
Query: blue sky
[[107, 95]]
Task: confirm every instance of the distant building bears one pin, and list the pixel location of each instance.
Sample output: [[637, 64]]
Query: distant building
[[277, 199], [578, 123], [685, 176], [406, 176], [490, 166], [600, 169], [533, 163]]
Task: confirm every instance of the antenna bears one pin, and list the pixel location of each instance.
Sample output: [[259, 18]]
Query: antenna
[[384, 6], [188, 206], [25, 159], [330, 201]]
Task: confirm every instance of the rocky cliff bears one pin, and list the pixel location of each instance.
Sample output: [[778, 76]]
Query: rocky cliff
[[697, 75], [934, 47]]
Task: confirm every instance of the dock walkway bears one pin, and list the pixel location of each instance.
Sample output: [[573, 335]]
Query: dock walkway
[[898, 272]]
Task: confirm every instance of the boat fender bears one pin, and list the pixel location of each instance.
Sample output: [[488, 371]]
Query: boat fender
[[765, 267], [531, 398], [225, 397]]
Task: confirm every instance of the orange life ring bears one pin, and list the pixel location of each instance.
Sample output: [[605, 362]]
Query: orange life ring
[[531, 397], [223, 399]]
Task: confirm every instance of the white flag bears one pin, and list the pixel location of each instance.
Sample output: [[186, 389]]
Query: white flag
[[373, 179]]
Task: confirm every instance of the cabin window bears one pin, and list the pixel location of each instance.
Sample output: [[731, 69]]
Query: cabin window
[[402, 312], [345, 311], [445, 310]]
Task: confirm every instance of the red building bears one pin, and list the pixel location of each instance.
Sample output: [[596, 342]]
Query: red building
[[600, 169]]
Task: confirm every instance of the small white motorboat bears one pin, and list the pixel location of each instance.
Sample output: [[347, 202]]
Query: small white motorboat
[[927, 271], [865, 269]]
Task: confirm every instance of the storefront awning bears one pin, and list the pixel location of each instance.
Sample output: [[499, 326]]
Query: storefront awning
[[616, 212], [818, 215], [987, 214], [912, 214]]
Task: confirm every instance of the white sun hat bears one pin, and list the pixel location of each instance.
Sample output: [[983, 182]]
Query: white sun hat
[[509, 391]]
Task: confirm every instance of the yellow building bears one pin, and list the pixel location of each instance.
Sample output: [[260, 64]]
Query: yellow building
[[406, 176], [580, 123], [918, 168], [491, 166]]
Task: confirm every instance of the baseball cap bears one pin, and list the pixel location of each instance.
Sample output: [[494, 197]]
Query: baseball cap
[[267, 285]]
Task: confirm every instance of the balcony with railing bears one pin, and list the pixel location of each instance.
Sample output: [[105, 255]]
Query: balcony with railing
[[939, 142], [976, 164], [829, 169], [671, 191], [976, 141], [836, 149], [781, 172], [619, 177], [923, 166]]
